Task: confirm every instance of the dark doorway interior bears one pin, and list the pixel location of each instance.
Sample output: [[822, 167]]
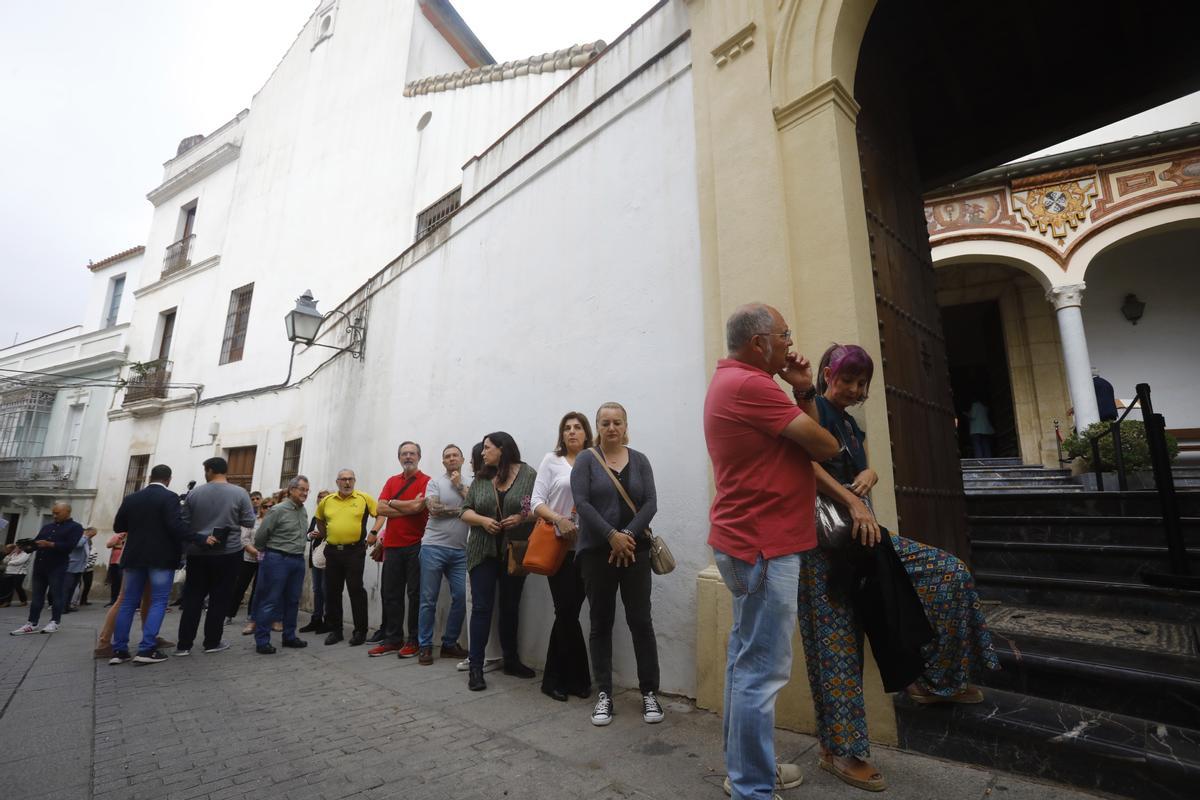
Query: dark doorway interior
[[10, 534], [979, 371]]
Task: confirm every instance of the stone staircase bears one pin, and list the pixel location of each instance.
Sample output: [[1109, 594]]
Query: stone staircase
[[1100, 686], [1010, 476]]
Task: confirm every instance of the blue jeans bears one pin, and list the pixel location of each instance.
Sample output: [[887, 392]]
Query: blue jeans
[[758, 665], [437, 561], [280, 580], [52, 578], [318, 578], [160, 593]]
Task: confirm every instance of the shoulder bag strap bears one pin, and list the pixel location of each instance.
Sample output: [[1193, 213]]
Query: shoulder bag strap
[[620, 489]]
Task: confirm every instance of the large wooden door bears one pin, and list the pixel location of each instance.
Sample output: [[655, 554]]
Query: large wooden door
[[916, 378], [241, 466]]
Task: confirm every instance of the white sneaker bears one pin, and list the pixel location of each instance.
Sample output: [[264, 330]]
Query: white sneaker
[[489, 664], [651, 709], [49, 627], [602, 714], [27, 628]]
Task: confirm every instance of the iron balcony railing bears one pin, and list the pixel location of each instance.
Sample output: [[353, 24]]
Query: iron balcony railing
[[39, 472], [147, 381], [176, 258]]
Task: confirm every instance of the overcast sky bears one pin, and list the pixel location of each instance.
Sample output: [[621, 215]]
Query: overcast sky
[[97, 95]]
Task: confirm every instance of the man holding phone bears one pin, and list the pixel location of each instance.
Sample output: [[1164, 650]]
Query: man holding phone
[[220, 510]]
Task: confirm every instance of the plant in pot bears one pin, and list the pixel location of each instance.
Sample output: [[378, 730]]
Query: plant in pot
[[1135, 449]]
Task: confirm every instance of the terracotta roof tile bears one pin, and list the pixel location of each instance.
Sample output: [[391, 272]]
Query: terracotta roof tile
[[121, 256]]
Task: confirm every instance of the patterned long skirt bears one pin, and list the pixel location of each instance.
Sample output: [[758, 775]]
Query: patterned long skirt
[[833, 640]]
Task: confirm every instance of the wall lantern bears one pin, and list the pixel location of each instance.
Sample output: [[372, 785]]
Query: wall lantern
[[304, 322], [1133, 308]]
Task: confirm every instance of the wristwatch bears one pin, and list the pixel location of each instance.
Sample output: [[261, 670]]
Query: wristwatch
[[805, 397]]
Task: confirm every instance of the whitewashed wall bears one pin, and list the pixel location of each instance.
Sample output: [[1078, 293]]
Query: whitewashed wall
[[574, 283], [1163, 270]]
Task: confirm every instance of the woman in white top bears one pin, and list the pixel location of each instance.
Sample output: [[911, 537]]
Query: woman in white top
[[566, 658], [16, 565]]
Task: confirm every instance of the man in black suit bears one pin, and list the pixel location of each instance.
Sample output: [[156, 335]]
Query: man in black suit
[[153, 550]]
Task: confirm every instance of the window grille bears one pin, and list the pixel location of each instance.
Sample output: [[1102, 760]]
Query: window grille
[[436, 214], [236, 322], [24, 418], [135, 476], [291, 461]]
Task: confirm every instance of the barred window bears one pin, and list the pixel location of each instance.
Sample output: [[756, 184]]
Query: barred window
[[24, 420], [291, 461], [235, 323], [135, 476], [437, 213]]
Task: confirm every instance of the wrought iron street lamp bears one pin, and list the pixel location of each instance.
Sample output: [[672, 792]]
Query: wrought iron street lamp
[[304, 322]]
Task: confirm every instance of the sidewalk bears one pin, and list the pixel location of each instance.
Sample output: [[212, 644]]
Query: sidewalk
[[329, 722]]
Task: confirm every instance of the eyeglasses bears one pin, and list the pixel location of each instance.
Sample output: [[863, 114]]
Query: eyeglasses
[[346, 479], [786, 334]]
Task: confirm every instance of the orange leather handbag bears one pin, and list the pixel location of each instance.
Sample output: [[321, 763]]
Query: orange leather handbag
[[546, 551]]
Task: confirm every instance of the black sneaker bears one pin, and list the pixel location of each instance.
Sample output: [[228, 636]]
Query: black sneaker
[[602, 714], [356, 638], [651, 709], [150, 657], [295, 643], [119, 657], [313, 625], [334, 637], [376, 637], [264, 649]]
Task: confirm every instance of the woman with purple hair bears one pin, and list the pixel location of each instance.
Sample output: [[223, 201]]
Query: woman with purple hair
[[832, 634]]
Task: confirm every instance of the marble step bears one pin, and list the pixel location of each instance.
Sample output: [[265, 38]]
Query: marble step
[[1087, 593], [1033, 481], [1135, 667], [1126, 562], [1135, 531], [1000, 473], [1025, 487], [990, 462], [1082, 504], [1061, 742]]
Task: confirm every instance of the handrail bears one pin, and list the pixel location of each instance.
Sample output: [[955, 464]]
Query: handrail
[[1180, 576], [1114, 429]]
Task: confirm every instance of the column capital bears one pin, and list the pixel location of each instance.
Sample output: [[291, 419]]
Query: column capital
[[1066, 296]]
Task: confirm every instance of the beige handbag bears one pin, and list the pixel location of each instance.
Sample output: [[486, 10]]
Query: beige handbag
[[662, 561]]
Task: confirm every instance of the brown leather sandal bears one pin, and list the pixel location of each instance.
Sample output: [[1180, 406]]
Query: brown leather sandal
[[875, 783], [967, 695]]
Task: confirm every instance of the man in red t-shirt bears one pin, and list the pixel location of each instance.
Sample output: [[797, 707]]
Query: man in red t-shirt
[[402, 502], [762, 445]]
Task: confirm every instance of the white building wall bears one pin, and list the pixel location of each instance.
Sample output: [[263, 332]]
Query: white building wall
[[576, 283], [1163, 270]]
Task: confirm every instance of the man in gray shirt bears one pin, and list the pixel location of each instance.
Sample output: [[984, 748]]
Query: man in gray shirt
[[219, 509], [443, 552]]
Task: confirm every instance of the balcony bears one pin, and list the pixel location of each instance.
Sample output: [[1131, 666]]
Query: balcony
[[176, 258], [147, 381], [39, 472]]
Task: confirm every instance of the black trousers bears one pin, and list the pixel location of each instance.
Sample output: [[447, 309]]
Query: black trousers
[[88, 577], [344, 570], [247, 574], [114, 583], [401, 580], [12, 585], [567, 656], [602, 581], [209, 577]]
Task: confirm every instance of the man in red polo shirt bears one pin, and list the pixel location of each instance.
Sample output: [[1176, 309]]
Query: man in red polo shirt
[[762, 445], [402, 502]]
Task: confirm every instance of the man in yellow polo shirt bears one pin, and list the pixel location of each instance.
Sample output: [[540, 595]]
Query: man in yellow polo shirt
[[343, 520]]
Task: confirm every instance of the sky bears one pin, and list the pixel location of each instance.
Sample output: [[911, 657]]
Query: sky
[[96, 96]]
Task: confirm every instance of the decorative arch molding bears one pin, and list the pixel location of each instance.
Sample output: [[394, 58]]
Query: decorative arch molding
[[1030, 260], [816, 43], [1183, 212]]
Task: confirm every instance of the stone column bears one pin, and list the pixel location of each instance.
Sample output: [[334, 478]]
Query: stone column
[[1067, 302]]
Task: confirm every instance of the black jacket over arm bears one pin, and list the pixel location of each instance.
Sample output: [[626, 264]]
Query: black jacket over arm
[[157, 535]]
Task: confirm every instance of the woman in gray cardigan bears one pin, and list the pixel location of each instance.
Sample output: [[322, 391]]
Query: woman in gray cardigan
[[614, 554]]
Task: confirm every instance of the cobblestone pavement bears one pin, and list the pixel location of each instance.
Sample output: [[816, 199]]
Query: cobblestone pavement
[[329, 722]]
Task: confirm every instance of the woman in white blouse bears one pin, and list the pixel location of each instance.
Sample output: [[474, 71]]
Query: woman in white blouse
[[566, 659]]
